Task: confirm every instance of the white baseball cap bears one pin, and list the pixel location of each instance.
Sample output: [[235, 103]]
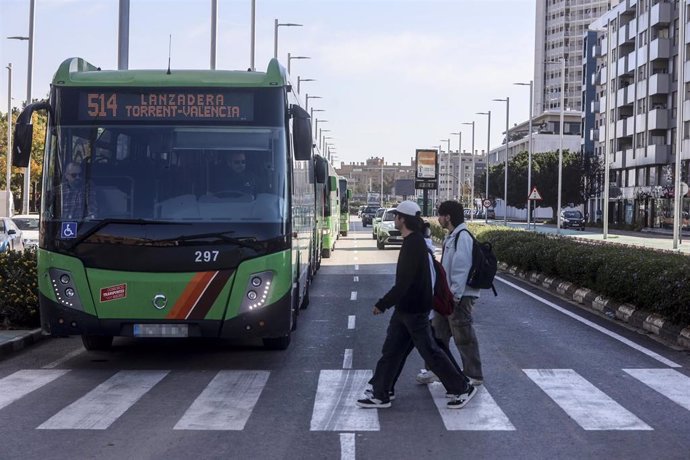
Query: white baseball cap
[[409, 208]]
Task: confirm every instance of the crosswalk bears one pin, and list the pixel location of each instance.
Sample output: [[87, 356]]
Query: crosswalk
[[228, 401]]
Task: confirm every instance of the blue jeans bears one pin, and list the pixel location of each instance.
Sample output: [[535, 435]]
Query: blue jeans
[[403, 328]]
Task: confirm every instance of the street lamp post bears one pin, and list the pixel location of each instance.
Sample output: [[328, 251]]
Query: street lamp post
[[8, 158], [473, 171], [560, 149], [306, 98], [275, 34], [289, 58], [607, 130], [300, 80], [316, 127], [214, 32], [447, 141], [505, 170], [459, 134], [252, 45], [677, 197], [529, 147], [486, 166]]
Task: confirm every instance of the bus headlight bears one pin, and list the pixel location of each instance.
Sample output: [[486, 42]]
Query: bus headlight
[[64, 288], [257, 291]]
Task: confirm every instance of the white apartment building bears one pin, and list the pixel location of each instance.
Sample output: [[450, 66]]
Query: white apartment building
[[643, 79], [560, 27], [455, 175]]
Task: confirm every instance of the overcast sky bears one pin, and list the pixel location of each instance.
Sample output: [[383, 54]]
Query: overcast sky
[[394, 75]]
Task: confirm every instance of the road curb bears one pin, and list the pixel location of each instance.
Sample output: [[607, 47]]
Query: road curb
[[651, 322], [20, 342]]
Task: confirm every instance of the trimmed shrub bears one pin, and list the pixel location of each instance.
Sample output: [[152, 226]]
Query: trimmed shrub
[[18, 289]]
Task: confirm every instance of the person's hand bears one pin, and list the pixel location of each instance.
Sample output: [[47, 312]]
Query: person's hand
[[376, 311]]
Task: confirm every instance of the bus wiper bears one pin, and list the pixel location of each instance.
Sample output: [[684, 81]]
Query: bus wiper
[[104, 223], [246, 242]]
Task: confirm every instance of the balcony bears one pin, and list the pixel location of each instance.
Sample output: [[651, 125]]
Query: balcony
[[621, 129], [686, 111], [660, 48], [632, 30], [658, 118], [642, 53], [621, 96], [618, 160], [594, 106], [630, 98], [596, 51], [632, 62], [594, 135], [659, 83], [642, 88], [630, 124], [658, 154], [622, 67], [660, 14]]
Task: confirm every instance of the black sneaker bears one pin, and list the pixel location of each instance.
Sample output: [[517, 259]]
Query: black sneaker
[[373, 403], [461, 400], [369, 393]]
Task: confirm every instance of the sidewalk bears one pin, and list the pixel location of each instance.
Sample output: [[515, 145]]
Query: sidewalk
[[15, 340]]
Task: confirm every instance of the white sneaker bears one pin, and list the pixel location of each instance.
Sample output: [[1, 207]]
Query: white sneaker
[[426, 376], [475, 382]]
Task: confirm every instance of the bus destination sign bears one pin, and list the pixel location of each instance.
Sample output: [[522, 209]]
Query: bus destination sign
[[166, 106]]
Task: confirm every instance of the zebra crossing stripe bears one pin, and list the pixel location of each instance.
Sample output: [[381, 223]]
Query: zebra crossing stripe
[[670, 383], [334, 406], [481, 413], [100, 407], [226, 403], [583, 402], [23, 382]]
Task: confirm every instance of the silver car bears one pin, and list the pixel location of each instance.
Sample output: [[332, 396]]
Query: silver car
[[28, 224], [10, 236]]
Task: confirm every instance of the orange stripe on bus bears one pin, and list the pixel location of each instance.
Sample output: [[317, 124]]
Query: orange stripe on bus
[[190, 295]]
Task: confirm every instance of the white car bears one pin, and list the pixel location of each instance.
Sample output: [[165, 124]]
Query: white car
[[28, 224]]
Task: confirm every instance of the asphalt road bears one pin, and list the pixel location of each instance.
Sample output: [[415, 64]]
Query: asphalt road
[[560, 383]]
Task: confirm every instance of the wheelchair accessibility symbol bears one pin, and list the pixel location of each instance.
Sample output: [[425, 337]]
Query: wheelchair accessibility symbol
[[69, 230]]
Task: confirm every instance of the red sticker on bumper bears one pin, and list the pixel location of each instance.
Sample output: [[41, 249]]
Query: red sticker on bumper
[[113, 292]]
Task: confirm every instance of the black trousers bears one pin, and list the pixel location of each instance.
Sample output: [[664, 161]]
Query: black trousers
[[414, 327]]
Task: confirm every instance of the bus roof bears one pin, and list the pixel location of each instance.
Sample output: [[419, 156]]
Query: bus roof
[[78, 72]]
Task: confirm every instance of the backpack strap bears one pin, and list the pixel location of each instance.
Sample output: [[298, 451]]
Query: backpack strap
[[458, 236]]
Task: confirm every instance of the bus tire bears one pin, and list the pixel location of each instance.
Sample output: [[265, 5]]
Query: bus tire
[[97, 342], [326, 253], [276, 343], [305, 300]]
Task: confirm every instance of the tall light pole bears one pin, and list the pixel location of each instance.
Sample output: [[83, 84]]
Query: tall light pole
[[123, 36], [252, 46], [29, 77], [505, 171], [678, 198], [607, 133], [560, 149], [459, 134], [8, 158], [486, 166], [214, 32], [275, 34], [300, 80], [306, 100], [473, 171], [290, 58], [447, 141], [316, 126], [529, 146], [381, 181]]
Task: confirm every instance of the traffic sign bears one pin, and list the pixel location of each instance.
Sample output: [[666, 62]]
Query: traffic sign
[[486, 203], [534, 195]]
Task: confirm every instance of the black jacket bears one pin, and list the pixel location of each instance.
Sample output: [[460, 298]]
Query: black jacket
[[412, 290]]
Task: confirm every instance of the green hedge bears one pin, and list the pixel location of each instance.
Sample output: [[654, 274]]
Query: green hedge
[[18, 289], [651, 280]]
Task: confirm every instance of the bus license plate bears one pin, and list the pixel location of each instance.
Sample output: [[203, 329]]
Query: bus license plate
[[161, 330]]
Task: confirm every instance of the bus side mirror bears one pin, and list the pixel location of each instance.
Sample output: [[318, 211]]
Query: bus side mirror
[[23, 134], [301, 133], [320, 170]]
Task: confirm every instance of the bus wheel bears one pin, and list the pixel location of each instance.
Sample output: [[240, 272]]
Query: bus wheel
[[276, 343], [97, 342], [326, 253], [305, 300]]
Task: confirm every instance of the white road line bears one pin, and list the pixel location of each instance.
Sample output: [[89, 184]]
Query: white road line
[[351, 322], [481, 413], [100, 407], [353, 295], [356, 279], [601, 329], [334, 405], [347, 359], [347, 446], [591, 408], [65, 358], [23, 382], [226, 403], [672, 384], [356, 267]]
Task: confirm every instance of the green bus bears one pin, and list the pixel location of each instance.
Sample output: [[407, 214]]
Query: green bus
[[345, 195], [330, 220], [174, 204]]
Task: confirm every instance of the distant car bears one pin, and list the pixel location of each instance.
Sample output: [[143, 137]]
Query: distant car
[[10, 236], [368, 215], [359, 212], [28, 224], [572, 219], [377, 220], [387, 233], [490, 214]]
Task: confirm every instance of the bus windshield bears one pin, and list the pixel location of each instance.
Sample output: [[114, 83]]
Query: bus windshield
[[171, 173]]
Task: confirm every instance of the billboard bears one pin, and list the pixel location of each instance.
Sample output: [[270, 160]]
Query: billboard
[[426, 171]]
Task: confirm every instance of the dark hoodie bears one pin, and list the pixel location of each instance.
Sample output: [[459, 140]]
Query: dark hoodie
[[412, 290]]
